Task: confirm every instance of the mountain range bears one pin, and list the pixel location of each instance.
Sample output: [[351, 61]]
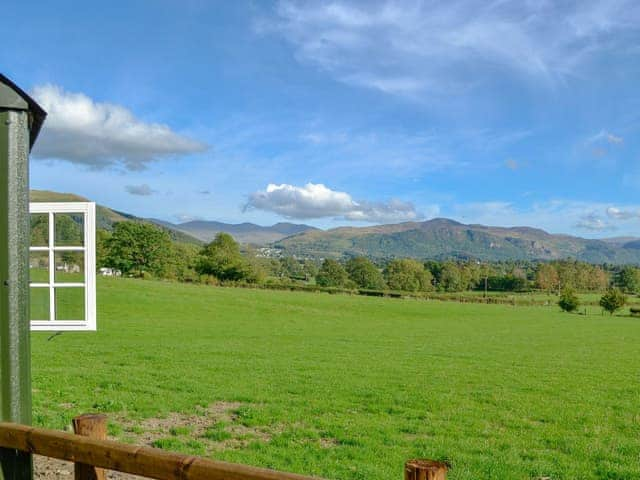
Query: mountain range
[[246, 233], [439, 238]]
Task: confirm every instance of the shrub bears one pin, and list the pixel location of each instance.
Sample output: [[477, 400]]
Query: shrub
[[613, 300], [568, 300]]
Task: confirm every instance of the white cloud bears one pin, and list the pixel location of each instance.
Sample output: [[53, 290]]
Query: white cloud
[[318, 201], [408, 47], [143, 190], [619, 214], [100, 135]]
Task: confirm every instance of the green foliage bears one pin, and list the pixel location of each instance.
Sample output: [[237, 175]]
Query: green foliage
[[182, 264], [332, 274], [222, 259], [507, 283], [292, 268], [628, 279], [613, 300], [569, 301], [40, 229], [450, 278], [408, 275], [137, 248], [102, 247], [217, 434], [364, 273]]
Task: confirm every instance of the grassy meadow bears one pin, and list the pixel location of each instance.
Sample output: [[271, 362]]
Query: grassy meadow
[[349, 387]]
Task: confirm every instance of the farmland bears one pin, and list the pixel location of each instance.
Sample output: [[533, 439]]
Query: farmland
[[349, 387]]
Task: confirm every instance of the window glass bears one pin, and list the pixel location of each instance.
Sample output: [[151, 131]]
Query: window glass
[[69, 230], [69, 267], [39, 303], [69, 303], [39, 267], [39, 229]]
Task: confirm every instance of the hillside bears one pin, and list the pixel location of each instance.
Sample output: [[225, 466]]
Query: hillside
[[247, 233], [442, 239], [106, 217]]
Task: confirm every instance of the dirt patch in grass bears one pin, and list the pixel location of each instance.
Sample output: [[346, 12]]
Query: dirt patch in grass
[[220, 426]]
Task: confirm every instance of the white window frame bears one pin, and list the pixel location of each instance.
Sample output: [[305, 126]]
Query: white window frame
[[88, 211]]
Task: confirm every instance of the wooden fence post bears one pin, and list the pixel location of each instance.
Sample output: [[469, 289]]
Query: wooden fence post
[[93, 426], [425, 470]]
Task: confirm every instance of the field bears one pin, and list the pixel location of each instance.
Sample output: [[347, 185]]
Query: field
[[349, 387]]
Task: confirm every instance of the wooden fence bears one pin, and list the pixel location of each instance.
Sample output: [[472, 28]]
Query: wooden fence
[[92, 454]]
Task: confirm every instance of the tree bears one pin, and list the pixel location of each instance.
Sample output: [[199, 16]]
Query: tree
[[310, 269], [451, 278], [569, 301], [222, 259], [597, 279], [102, 247], [364, 273], [182, 262], [136, 247], [292, 268], [613, 300], [408, 275], [628, 279], [547, 277], [332, 274]]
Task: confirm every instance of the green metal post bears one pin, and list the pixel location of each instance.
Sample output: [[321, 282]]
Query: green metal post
[[20, 119]]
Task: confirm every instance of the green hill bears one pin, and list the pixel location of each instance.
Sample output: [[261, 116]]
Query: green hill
[[443, 239], [107, 217]]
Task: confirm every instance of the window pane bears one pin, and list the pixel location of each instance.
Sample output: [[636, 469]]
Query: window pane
[[69, 267], [39, 267], [69, 303], [39, 229], [69, 230], [39, 303]]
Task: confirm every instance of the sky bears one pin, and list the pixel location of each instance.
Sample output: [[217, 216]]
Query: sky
[[338, 113]]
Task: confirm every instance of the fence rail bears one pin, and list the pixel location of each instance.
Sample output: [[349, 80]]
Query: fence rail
[[91, 455]]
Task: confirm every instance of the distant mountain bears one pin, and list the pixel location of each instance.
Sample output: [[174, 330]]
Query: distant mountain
[[441, 238], [621, 241], [246, 233], [106, 217]]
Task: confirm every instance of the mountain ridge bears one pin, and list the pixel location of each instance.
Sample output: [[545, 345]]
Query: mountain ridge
[[438, 238], [442, 238], [245, 233]]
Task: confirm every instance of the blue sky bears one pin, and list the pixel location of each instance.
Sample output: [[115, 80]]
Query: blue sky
[[339, 113]]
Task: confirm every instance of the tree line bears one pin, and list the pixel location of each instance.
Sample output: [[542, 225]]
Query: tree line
[[146, 250]]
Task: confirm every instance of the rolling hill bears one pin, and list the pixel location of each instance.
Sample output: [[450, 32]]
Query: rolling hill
[[442, 238], [246, 233], [106, 217], [195, 232]]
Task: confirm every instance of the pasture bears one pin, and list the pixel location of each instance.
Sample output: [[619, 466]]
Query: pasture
[[349, 387]]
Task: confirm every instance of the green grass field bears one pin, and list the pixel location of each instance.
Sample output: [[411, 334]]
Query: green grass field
[[349, 387]]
